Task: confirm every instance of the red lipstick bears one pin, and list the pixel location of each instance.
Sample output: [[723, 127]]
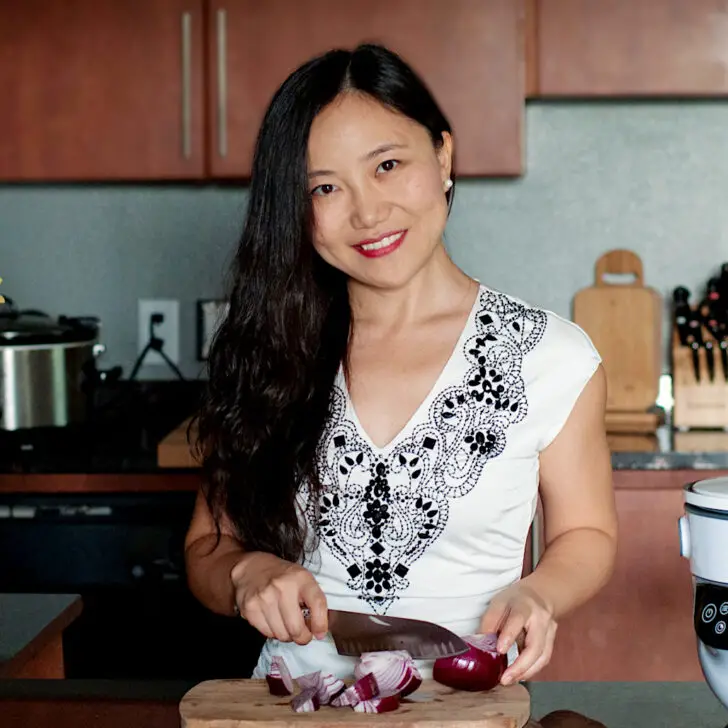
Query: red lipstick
[[381, 246]]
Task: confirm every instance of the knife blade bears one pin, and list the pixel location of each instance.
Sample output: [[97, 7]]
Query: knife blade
[[356, 632]]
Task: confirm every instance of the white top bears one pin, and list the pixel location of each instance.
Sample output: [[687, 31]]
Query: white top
[[434, 524], [711, 493]]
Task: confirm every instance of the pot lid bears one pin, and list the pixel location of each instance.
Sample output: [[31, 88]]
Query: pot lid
[[711, 493], [34, 328]]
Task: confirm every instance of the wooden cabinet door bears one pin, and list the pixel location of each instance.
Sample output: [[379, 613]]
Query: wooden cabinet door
[[470, 52], [101, 90], [631, 47], [640, 627]]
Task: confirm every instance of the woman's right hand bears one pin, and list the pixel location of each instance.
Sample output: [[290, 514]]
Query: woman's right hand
[[270, 594]]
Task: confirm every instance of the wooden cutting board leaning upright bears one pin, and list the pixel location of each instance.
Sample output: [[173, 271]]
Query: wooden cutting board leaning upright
[[248, 704], [624, 321]]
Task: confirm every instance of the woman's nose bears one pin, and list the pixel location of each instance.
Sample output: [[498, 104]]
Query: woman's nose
[[368, 209]]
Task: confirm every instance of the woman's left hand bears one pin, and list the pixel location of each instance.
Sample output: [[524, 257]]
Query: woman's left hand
[[519, 614]]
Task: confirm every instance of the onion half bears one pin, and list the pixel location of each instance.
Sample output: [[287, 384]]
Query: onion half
[[478, 669], [395, 671]]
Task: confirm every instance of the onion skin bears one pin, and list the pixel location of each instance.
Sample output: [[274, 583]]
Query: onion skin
[[280, 682], [478, 669], [307, 701], [327, 686], [395, 671], [380, 704], [363, 690]]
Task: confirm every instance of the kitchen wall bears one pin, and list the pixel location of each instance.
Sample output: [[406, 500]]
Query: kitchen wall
[[650, 176]]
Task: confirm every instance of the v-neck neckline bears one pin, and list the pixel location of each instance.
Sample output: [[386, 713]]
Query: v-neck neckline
[[431, 394]]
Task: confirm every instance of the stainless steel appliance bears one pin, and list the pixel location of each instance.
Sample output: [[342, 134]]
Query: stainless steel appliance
[[47, 368], [704, 541]]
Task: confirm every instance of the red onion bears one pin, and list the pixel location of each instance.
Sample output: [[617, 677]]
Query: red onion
[[380, 704], [327, 686], [480, 668], [279, 678], [306, 701], [365, 688], [395, 671]]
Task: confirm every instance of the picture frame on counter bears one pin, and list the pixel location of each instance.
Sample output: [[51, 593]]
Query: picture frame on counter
[[210, 314]]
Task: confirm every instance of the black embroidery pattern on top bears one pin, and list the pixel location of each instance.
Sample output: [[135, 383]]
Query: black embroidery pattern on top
[[381, 510]]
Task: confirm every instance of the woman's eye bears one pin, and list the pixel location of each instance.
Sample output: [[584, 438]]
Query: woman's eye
[[388, 165], [322, 190]]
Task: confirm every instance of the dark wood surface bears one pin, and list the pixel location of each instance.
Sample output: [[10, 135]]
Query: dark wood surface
[[31, 626], [93, 90], [89, 713], [164, 481], [640, 626], [471, 54], [631, 48]]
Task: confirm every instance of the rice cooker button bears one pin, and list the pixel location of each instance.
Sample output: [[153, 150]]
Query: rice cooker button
[[709, 613], [724, 608], [720, 627]]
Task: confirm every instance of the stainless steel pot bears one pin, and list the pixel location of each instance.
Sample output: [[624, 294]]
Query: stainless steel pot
[[47, 369]]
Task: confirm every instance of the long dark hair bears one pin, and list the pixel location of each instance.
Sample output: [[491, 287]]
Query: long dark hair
[[273, 361]]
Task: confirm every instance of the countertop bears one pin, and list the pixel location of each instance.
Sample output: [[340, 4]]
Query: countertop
[[120, 435], [154, 705], [28, 622], [140, 428]]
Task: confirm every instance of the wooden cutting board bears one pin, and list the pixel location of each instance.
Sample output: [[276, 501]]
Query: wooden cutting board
[[624, 321], [248, 704], [174, 451]]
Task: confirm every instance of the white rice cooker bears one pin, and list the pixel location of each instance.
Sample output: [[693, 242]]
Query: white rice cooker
[[704, 541]]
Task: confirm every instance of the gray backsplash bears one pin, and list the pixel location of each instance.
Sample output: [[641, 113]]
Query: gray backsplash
[[648, 176]]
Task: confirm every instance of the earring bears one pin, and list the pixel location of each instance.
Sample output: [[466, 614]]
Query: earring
[[448, 184]]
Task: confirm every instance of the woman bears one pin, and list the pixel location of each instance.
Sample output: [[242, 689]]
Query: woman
[[378, 425]]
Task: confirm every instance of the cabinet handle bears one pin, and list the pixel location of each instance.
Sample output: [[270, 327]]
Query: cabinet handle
[[186, 84], [222, 82]]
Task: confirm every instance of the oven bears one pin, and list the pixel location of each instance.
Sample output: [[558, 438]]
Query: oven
[[124, 553]]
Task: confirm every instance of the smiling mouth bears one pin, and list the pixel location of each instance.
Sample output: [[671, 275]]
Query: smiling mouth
[[383, 246]]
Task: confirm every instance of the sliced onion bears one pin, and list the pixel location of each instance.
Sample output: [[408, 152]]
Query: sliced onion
[[365, 688], [395, 671], [480, 668], [279, 678], [380, 704], [327, 686], [307, 701]]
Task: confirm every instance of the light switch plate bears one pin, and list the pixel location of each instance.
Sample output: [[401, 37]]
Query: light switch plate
[[210, 314]]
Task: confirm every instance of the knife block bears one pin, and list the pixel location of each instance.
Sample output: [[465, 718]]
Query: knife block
[[698, 403]]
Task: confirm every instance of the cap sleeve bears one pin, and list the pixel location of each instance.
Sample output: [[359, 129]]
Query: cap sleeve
[[565, 360]]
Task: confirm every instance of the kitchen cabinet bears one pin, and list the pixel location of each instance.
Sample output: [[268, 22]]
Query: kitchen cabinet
[[639, 628], [101, 90], [469, 52], [627, 48]]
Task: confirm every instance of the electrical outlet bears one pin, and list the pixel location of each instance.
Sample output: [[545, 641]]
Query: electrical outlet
[[168, 330]]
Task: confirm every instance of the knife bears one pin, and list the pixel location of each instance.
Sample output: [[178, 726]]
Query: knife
[[685, 328], [356, 632], [715, 322]]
